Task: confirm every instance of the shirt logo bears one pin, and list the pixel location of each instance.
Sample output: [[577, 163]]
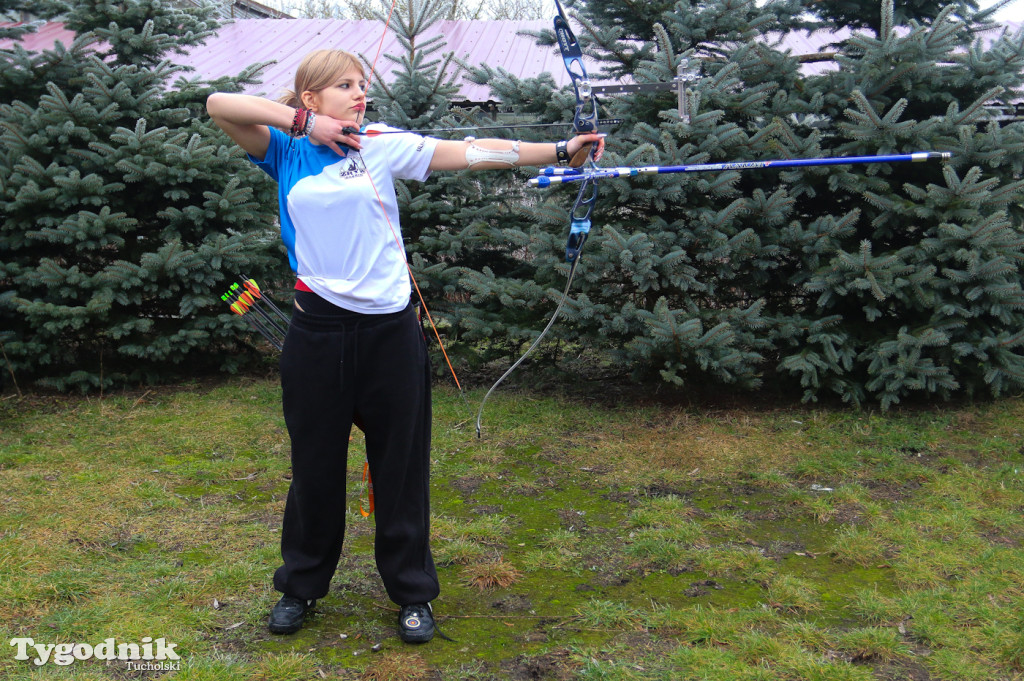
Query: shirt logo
[[351, 169]]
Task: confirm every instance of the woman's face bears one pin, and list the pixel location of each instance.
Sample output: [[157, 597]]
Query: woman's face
[[345, 100]]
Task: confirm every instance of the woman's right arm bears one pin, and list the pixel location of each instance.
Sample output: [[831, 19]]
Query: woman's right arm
[[247, 120]]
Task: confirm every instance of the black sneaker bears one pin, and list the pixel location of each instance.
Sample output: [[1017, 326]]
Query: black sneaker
[[288, 614], [416, 623]]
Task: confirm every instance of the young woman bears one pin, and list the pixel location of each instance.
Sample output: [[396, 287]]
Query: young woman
[[354, 352]]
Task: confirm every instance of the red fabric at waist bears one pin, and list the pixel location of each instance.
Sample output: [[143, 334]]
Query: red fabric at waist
[[301, 286]]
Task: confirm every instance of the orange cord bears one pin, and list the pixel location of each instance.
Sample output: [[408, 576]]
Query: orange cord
[[367, 480], [368, 483], [394, 233]]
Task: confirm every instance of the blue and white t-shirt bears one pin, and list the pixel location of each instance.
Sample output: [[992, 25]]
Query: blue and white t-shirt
[[339, 242]]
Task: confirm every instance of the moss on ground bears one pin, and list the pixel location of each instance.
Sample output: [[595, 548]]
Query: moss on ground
[[572, 542]]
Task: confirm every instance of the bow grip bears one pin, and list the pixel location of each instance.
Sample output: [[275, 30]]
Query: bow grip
[[581, 156]]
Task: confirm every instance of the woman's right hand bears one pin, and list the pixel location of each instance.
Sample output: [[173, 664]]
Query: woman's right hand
[[331, 133]]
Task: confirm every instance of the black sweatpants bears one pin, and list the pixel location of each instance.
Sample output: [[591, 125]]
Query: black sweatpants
[[372, 369]]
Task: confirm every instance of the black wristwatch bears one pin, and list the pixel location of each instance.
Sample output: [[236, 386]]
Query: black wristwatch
[[562, 152]]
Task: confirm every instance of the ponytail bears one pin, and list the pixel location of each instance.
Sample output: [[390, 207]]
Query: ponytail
[[290, 98]]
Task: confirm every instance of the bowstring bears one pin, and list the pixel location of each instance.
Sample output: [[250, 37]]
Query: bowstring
[[394, 232]]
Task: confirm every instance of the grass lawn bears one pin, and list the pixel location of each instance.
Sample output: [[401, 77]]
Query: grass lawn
[[575, 540]]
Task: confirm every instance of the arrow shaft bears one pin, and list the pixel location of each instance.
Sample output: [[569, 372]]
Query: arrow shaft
[[550, 176], [255, 306], [245, 301], [267, 333]]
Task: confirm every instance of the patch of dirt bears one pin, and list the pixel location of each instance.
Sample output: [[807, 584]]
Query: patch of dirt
[[573, 520], [656, 491], [848, 514], [534, 637], [770, 515], [778, 550], [687, 568], [467, 486], [891, 491], [742, 490], [512, 603], [701, 588], [1001, 539], [531, 488], [609, 579], [633, 496], [236, 641], [556, 665]]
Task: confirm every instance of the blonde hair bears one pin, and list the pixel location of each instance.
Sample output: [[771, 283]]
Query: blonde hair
[[318, 71]]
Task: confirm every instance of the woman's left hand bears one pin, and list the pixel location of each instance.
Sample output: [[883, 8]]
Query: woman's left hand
[[579, 141]]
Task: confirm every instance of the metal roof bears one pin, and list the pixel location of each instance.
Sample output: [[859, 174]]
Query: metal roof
[[496, 43], [45, 35], [250, 41]]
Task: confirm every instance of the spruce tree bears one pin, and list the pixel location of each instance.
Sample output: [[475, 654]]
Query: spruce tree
[[643, 253], [870, 283], [924, 295], [858, 14], [125, 212]]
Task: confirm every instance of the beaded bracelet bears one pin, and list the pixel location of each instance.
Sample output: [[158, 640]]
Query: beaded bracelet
[[299, 122]]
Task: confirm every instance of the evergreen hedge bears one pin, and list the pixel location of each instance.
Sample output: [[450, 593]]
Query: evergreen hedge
[[870, 283], [124, 211]]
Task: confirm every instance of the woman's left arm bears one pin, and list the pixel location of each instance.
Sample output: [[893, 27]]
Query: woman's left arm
[[490, 154]]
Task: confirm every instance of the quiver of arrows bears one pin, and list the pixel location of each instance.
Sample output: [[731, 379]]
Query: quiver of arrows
[[251, 304]]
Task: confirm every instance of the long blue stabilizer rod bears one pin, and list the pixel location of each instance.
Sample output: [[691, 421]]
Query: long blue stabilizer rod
[[550, 176]]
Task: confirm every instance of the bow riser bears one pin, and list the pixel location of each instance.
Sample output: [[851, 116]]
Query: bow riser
[[579, 221]]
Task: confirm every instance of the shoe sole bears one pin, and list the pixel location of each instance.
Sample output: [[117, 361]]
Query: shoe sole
[[277, 629]]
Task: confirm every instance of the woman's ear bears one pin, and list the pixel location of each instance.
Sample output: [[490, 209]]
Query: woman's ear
[[310, 100]]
